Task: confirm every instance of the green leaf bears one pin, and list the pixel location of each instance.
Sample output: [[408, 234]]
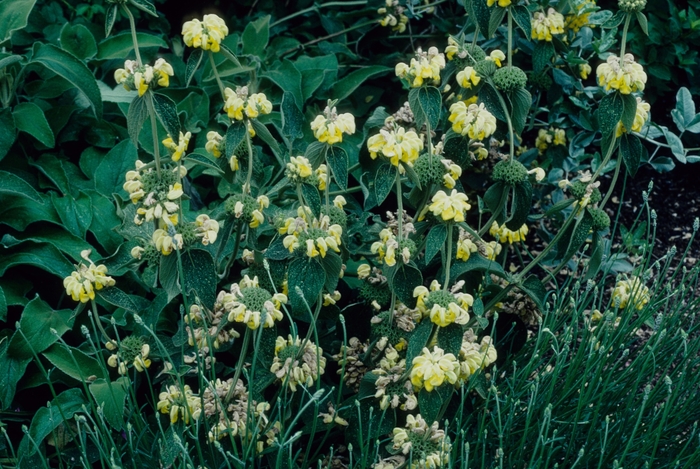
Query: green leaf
[[337, 160], [47, 419], [495, 20], [610, 112], [384, 181], [483, 15], [11, 371], [166, 110], [522, 202], [450, 338], [522, 100], [74, 362], [110, 18], [631, 152], [115, 296], [206, 161], [676, 145], [13, 16], [29, 118], [256, 35], [475, 263], [578, 236], [542, 55], [312, 198], [432, 404], [78, 40], [405, 279], [235, 134], [200, 277], [277, 251], [332, 264], [435, 241], [109, 175], [426, 104], [597, 251], [292, 117], [315, 153], [489, 96], [138, 113], [37, 320], [3, 305], [54, 169], [350, 82], [168, 276], [308, 275], [64, 64], [193, 62], [104, 226], [419, 339], [522, 18], [111, 396], [610, 22], [145, 5], [643, 23], [629, 110], [535, 289], [119, 46], [18, 187], [685, 106], [288, 78], [44, 256], [264, 134], [75, 214], [495, 197], [8, 132]]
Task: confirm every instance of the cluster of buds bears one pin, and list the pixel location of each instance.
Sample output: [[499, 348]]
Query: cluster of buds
[[424, 68], [135, 77], [247, 209], [393, 16], [503, 234], [393, 389]]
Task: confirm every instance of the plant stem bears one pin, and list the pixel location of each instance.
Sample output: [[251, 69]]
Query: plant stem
[[338, 33], [328, 179], [216, 75], [246, 188], [399, 202], [241, 361], [448, 263], [134, 39], [508, 120], [628, 16], [510, 37], [316, 8], [612, 183], [154, 131]]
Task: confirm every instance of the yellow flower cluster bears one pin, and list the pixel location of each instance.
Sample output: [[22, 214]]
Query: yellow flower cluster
[[430, 370], [496, 56], [295, 365], [640, 117], [238, 103], [177, 149], [299, 168], [163, 211], [443, 307], [428, 446], [503, 234], [473, 356], [465, 246], [243, 207], [468, 78], [206, 228], [317, 238], [396, 19], [579, 19], [215, 143], [424, 68], [626, 77], [82, 283], [387, 248], [251, 305], [140, 78], [449, 207], [330, 126], [398, 145], [454, 48], [129, 353], [501, 3], [178, 405], [472, 120], [206, 34], [165, 242], [553, 136], [454, 171], [630, 291], [545, 26], [584, 71]]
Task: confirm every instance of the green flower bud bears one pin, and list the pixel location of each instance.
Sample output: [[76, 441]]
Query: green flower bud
[[510, 172], [578, 190], [632, 6], [509, 79], [485, 68], [601, 220], [429, 170]]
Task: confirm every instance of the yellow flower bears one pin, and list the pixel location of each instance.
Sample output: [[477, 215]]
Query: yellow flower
[[363, 271], [257, 104], [552, 136], [251, 305], [207, 229], [397, 145], [627, 77], [430, 370], [316, 239], [214, 144], [166, 243], [473, 357], [450, 207], [640, 117], [179, 148], [545, 26], [165, 71], [497, 57], [424, 66], [206, 34], [294, 369], [584, 71], [474, 120], [322, 176], [443, 307], [501, 3], [468, 78], [630, 291], [82, 283], [178, 405], [502, 233], [299, 167], [235, 103], [465, 246], [330, 126], [580, 18], [386, 248]]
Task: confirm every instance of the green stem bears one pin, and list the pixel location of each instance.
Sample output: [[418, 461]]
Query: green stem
[[316, 8], [448, 263], [328, 179], [134, 39], [495, 214], [241, 361], [154, 131], [510, 37], [508, 120], [628, 16], [93, 305], [216, 75], [338, 33], [612, 183], [181, 274], [246, 188], [399, 202]]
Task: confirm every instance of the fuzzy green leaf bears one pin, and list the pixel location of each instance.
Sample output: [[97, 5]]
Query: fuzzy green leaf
[[631, 152], [496, 196], [312, 198], [121, 45], [432, 404], [256, 35], [542, 55], [37, 320], [29, 118], [426, 104], [8, 132], [404, 280], [522, 18], [337, 160], [11, 371], [495, 20], [75, 213], [138, 113], [384, 181], [643, 23], [292, 117], [522, 202], [435, 241], [111, 396], [47, 419], [629, 110], [419, 339], [14, 15], [73, 362], [332, 264], [145, 5], [476, 263], [78, 40], [610, 112], [308, 275], [235, 135], [450, 338], [166, 111], [200, 277], [536, 290], [489, 96], [109, 175], [110, 18], [521, 100], [350, 82], [264, 134], [482, 13], [676, 145]]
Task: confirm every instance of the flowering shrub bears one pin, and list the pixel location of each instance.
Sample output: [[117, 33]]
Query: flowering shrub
[[303, 248]]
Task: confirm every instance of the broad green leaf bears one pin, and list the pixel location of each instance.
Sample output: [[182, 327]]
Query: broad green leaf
[[384, 181], [19, 212], [676, 145], [74, 362], [145, 5], [3, 305], [288, 78], [426, 104], [611, 21], [110, 18], [332, 264], [495, 20], [631, 152], [404, 280], [13, 16], [104, 226], [43, 256], [47, 419], [522, 100], [315, 153], [205, 161], [489, 96], [11, 184], [536, 290], [193, 62], [292, 118], [597, 251], [435, 241], [685, 106], [166, 110], [256, 35], [120, 46], [113, 295], [168, 276], [542, 55], [573, 242], [78, 40], [277, 251], [349, 83], [522, 202], [475, 263], [599, 17], [29, 118], [111, 396], [11, 371], [64, 64], [235, 135], [138, 113], [109, 175], [482, 13], [629, 110], [418, 340], [264, 134], [496, 197], [54, 169], [432, 404], [610, 112], [522, 18], [450, 338], [15, 290], [643, 23], [312, 198], [308, 275], [8, 132], [75, 214], [37, 320], [337, 160], [200, 277], [47, 233]]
